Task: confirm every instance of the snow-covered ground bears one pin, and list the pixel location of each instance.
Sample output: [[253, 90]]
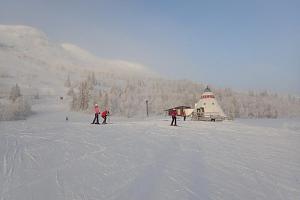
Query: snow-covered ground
[[46, 157]]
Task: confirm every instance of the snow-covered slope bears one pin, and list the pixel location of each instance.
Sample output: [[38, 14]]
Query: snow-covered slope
[[28, 57], [46, 157], [113, 66]]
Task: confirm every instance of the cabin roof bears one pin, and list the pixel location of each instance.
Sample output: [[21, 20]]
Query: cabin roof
[[178, 107]]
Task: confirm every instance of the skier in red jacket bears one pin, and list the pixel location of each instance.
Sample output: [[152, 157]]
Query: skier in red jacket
[[173, 114], [104, 116], [97, 112]]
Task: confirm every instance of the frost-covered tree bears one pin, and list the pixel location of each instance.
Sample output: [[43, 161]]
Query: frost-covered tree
[[127, 97], [91, 80], [15, 93], [70, 92], [15, 110], [74, 102], [68, 81], [105, 100], [83, 96], [36, 95]]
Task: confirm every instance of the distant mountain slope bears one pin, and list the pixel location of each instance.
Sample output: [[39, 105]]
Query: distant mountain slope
[[39, 65], [28, 57], [112, 66]]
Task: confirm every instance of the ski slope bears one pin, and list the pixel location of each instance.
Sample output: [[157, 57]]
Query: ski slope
[[46, 157]]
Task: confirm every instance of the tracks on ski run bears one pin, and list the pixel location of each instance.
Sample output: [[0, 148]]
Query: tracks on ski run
[[45, 157]]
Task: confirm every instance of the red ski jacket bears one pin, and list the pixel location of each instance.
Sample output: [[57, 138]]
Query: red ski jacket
[[173, 113], [97, 110], [104, 114]]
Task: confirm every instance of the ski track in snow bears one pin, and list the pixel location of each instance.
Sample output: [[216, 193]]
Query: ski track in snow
[[46, 157]]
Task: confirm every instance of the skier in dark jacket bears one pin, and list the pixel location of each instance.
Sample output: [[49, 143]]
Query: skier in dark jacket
[[173, 114], [96, 118]]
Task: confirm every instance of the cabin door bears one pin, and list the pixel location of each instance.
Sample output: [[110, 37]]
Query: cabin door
[[200, 110]]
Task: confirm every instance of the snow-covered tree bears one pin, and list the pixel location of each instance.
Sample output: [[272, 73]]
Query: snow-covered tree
[[15, 110], [70, 92], [74, 102], [127, 97], [83, 96], [68, 81], [15, 93]]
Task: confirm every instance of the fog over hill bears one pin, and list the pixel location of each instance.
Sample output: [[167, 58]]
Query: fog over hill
[[43, 67]]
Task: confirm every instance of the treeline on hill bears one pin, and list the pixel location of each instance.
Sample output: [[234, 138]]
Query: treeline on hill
[[126, 97], [15, 107]]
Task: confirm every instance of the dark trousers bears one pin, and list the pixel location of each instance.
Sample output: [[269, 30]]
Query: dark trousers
[[104, 120], [173, 120], [96, 118]]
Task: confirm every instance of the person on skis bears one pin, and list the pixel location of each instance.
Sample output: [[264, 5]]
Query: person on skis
[[173, 114], [97, 112], [184, 116], [104, 115]]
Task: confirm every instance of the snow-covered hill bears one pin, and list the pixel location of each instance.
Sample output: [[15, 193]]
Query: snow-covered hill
[[41, 66], [29, 58], [112, 66], [46, 157]]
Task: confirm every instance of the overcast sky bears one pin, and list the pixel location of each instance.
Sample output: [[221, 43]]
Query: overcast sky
[[239, 44]]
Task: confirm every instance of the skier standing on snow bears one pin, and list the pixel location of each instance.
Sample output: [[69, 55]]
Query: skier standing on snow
[[173, 114], [104, 116], [97, 112]]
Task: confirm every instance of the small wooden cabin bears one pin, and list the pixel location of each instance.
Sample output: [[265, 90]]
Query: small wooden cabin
[[179, 110]]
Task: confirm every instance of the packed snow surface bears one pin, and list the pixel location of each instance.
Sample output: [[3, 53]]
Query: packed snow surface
[[47, 157]]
